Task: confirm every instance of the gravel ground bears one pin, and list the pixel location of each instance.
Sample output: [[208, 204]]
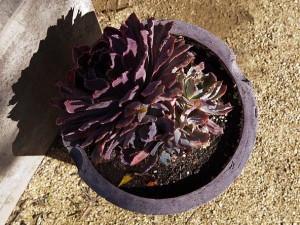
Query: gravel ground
[[265, 36]]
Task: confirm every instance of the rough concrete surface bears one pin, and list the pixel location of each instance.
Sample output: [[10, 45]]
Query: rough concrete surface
[[28, 70], [265, 35]]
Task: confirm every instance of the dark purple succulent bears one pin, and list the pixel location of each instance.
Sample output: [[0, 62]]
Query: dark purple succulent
[[193, 111], [130, 91]]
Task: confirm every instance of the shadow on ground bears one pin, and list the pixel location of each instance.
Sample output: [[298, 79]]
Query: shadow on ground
[[58, 151], [36, 85]]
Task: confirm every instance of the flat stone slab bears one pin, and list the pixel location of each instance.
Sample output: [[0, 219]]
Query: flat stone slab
[[36, 38]]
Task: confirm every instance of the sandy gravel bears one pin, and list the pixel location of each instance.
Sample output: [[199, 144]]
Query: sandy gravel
[[265, 35]]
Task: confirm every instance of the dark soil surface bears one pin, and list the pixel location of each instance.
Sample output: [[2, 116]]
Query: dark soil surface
[[180, 168]]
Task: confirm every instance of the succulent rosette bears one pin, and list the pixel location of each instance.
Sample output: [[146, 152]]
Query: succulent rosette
[[136, 91]]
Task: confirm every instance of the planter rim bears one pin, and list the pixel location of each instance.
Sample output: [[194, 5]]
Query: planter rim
[[219, 184]]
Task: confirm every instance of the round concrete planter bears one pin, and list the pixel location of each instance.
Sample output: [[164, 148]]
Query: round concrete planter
[[168, 200]]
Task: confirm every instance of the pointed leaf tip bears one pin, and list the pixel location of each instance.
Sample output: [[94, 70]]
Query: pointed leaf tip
[[126, 178], [139, 157]]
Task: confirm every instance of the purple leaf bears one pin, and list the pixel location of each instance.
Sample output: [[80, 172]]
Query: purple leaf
[[132, 26], [118, 45], [125, 121], [214, 128], [80, 117], [151, 161], [147, 132], [197, 138], [100, 45], [121, 80], [128, 96], [160, 106], [117, 67], [98, 93], [162, 98], [207, 106], [109, 149], [111, 118], [151, 87], [72, 93], [148, 119], [89, 140], [96, 84], [150, 28], [74, 118], [71, 106], [180, 48], [223, 109], [129, 139], [109, 31], [181, 61], [83, 61], [132, 108], [111, 136], [215, 89], [80, 134], [127, 155], [167, 50], [130, 61], [141, 72], [89, 123], [197, 117], [156, 93], [97, 152], [139, 157], [214, 109], [174, 91], [208, 80], [220, 93], [78, 51], [127, 129], [101, 105], [70, 129], [131, 46], [161, 33], [165, 125], [135, 30], [102, 132], [157, 146], [168, 79]]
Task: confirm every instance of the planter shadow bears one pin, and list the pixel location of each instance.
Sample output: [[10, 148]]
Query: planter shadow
[[36, 85]]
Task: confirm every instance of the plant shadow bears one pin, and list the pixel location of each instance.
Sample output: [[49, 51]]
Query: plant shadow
[[36, 85]]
